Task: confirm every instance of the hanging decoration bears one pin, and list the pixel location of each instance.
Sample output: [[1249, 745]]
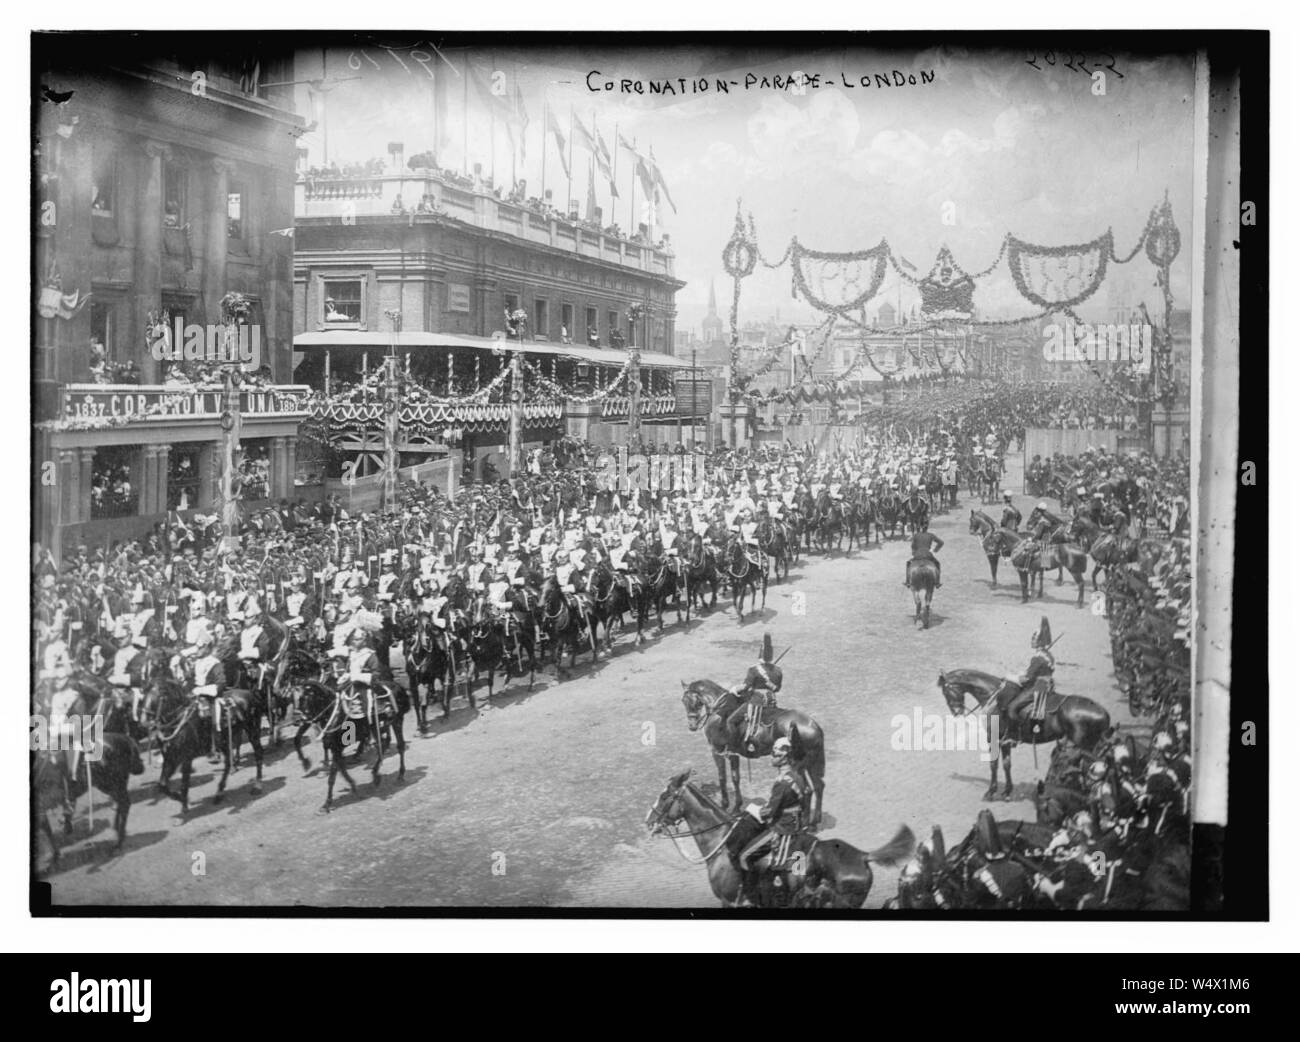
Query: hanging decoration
[[946, 291], [837, 282], [1059, 277], [741, 252]]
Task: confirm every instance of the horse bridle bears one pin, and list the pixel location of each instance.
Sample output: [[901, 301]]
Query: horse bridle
[[662, 828]]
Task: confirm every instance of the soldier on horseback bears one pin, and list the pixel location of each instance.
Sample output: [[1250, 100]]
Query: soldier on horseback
[[924, 543], [369, 676], [1036, 680], [760, 828], [1011, 517], [209, 683], [757, 692]]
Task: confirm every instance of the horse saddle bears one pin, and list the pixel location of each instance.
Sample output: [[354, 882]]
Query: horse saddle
[[918, 560], [785, 855], [1036, 709]]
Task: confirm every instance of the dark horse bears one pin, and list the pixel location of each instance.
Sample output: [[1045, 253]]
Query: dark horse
[[710, 707], [182, 729], [565, 625], [745, 573], [921, 577], [1079, 719], [109, 757], [326, 708], [824, 873], [701, 572]]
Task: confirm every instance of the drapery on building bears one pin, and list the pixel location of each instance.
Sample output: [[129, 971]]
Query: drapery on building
[[162, 181], [450, 257]]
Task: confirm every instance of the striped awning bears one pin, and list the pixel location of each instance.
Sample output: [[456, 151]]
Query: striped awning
[[404, 341]]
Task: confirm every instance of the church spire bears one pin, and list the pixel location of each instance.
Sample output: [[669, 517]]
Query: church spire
[[713, 299]]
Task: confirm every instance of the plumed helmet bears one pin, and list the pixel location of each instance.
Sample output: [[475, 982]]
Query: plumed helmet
[[1042, 638], [1097, 771], [1042, 505], [781, 750], [765, 656]]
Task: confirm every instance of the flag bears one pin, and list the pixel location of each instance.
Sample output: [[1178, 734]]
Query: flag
[[644, 174], [519, 118], [553, 126], [622, 143], [582, 137], [606, 162], [659, 181], [591, 196]]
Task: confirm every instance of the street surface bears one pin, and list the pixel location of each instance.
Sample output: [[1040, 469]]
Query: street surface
[[540, 800]]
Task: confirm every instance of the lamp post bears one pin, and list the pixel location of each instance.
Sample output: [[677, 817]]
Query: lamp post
[[233, 307], [391, 418]]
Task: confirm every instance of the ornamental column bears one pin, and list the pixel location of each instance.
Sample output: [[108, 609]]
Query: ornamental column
[[215, 235], [279, 465], [148, 250], [290, 465], [86, 461]]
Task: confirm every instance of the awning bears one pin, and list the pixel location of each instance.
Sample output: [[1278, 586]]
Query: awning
[[405, 341]]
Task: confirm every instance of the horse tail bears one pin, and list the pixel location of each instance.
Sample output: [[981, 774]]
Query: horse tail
[[897, 849]]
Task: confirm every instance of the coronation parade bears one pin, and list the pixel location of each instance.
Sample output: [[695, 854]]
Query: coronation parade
[[418, 563]]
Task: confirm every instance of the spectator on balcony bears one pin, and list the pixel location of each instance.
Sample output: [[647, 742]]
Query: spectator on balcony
[[593, 336], [332, 314], [172, 214], [397, 204]]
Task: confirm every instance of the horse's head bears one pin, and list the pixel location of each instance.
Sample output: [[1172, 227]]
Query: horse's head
[[697, 703], [953, 694], [669, 808], [975, 526]]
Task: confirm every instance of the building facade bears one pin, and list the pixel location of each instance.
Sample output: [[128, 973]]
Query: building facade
[[164, 183]]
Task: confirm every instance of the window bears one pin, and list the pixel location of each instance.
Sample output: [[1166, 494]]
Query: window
[[183, 478], [592, 333], [235, 214], [566, 320], [103, 192], [102, 327], [541, 318], [343, 300], [111, 494], [174, 183]]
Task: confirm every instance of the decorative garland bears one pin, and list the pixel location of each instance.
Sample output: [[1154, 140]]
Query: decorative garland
[[1020, 254]]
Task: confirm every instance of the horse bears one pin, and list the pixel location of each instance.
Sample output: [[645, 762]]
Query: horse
[[701, 572], [612, 596], [916, 513], [565, 626], [1059, 554], [711, 707], [745, 573], [107, 762], [922, 576], [829, 522], [860, 517], [823, 873], [326, 708], [1107, 549], [771, 540], [182, 731], [1080, 719], [889, 509], [487, 649], [662, 578]]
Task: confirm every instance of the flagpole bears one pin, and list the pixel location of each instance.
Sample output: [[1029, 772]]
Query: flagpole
[[546, 133], [569, 196], [465, 115], [613, 177], [631, 213]]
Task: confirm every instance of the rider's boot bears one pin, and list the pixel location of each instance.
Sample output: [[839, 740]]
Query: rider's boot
[[938, 574], [750, 893]]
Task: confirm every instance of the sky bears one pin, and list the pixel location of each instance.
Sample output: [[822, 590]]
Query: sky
[[993, 145]]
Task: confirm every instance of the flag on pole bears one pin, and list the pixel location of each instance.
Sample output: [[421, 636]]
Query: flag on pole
[[553, 126], [659, 181], [605, 162], [582, 137]]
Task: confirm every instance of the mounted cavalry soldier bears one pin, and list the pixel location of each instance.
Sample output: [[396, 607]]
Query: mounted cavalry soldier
[[1011, 517], [368, 676], [924, 543], [757, 692], [760, 830], [209, 683], [1036, 681]]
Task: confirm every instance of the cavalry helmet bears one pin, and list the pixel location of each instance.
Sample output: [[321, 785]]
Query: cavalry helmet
[[781, 750], [1042, 505]]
